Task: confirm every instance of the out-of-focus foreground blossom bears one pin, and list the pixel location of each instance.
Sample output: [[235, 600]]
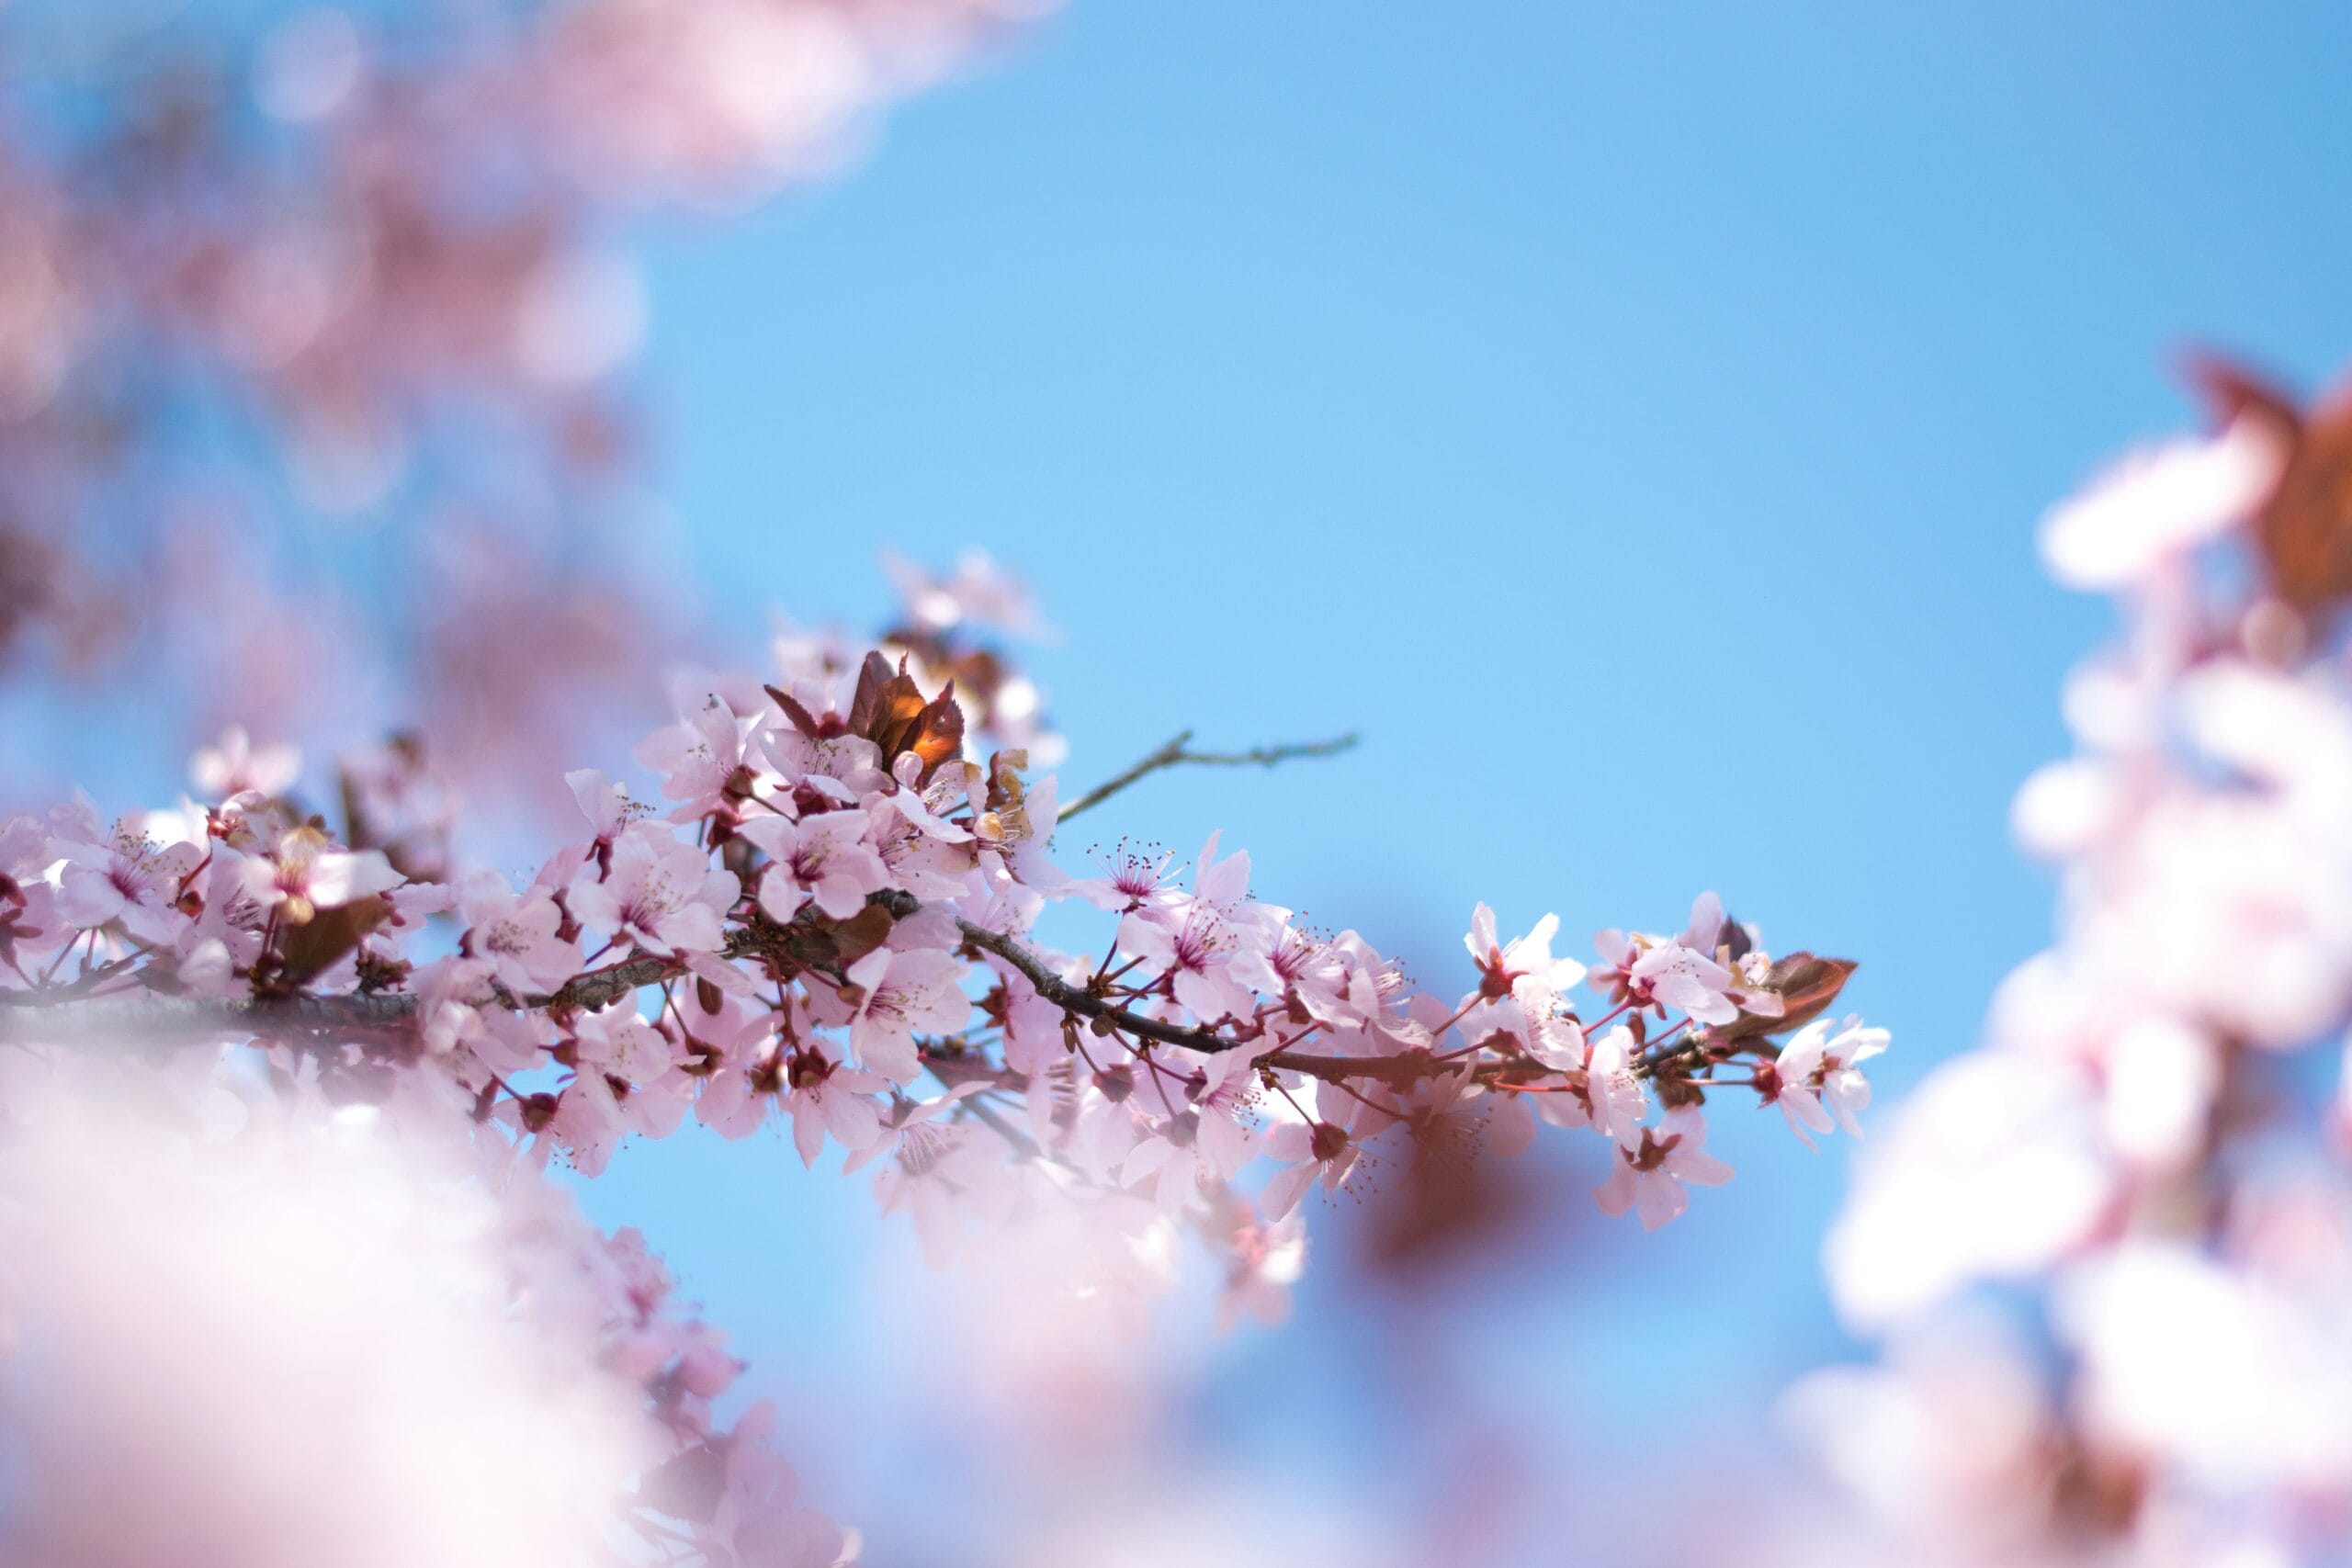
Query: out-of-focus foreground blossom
[[315, 333], [2144, 1144], [248, 1332]]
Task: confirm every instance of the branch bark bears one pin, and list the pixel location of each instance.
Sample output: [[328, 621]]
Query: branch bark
[[1170, 753]]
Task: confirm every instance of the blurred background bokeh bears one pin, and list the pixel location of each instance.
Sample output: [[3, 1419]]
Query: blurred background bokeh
[[1632, 419]]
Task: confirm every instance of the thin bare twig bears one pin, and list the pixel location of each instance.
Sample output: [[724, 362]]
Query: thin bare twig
[[1172, 754]]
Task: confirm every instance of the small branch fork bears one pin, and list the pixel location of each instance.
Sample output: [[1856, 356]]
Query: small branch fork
[[1172, 754]]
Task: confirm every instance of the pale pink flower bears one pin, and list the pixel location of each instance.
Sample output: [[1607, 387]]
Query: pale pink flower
[[1195, 941], [923, 854], [891, 1125], [978, 590], [227, 934], [1502, 965], [2154, 505], [748, 1084], [845, 768], [660, 893], [704, 759], [606, 1102], [1264, 1261], [1135, 877], [1198, 1148], [1225, 1094], [1196, 948], [1652, 1180], [233, 766], [1672, 975], [1605, 1095], [946, 1179], [1309, 1152], [824, 1097], [1297, 962], [515, 933], [301, 875], [823, 856], [617, 1040], [605, 805], [459, 1014], [127, 877], [29, 917], [758, 1522], [1818, 1075], [900, 995]]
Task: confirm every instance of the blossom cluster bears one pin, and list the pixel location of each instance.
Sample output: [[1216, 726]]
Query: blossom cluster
[[829, 922], [368, 1353], [2138, 1141], [834, 910]]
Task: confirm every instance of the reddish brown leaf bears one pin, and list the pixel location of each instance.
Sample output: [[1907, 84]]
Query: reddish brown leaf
[[312, 947], [1806, 984], [801, 719], [889, 710], [866, 705], [862, 933], [2304, 530]]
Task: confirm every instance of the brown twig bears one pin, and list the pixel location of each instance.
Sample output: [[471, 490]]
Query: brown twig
[[1172, 754]]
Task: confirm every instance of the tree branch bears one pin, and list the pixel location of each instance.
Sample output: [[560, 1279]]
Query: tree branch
[[1172, 753], [396, 1015], [1085, 1003]]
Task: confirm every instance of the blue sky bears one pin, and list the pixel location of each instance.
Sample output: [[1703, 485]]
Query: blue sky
[[1634, 418]]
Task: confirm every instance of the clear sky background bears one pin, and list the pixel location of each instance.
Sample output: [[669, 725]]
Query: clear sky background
[[1634, 418]]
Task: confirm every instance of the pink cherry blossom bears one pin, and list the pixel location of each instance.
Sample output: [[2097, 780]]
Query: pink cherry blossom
[[28, 918], [233, 766], [604, 804], [758, 1519], [1265, 1259], [1318, 1151], [660, 893], [900, 995], [1653, 1180], [826, 1098], [516, 933], [2153, 506], [1503, 964], [1818, 1076], [1604, 1094], [1134, 876], [892, 1124], [823, 857], [301, 875], [124, 876], [703, 759], [1685, 979]]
